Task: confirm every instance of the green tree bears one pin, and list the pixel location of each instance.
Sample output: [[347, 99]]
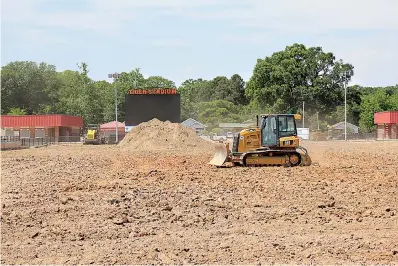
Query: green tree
[[392, 102], [315, 121], [232, 90], [382, 99], [154, 82], [191, 93], [80, 96], [107, 92], [92, 97], [338, 115], [130, 80], [250, 111], [216, 130], [204, 90], [296, 74], [215, 112], [70, 101], [17, 111], [353, 108], [28, 85], [280, 83], [238, 88], [220, 89]]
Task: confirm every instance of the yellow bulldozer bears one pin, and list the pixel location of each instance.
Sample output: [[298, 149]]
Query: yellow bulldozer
[[93, 135], [272, 142]]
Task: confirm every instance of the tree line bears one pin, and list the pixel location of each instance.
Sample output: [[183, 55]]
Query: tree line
[[280, 83]]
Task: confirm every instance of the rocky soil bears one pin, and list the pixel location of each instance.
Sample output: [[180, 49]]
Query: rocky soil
[[78, 204]]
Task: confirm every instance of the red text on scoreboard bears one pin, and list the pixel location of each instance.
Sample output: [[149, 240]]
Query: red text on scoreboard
[[152, 91]]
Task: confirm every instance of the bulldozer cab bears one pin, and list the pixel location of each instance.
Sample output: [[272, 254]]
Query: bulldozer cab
[[92, 131], [92, 127], [273, 127], [93, 134]]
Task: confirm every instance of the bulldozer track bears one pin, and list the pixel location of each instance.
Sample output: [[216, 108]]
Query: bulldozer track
[[272, 154]]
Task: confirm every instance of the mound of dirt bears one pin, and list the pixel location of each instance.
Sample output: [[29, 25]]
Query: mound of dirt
[[156, 135]]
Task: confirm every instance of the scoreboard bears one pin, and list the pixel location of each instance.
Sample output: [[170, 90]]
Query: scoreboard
[[143, 105]]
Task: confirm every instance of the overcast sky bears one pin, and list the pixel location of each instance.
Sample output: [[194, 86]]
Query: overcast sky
[[182, 39]]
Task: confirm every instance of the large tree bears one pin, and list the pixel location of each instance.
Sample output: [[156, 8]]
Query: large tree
[[238, 87], [379, 100], [80, 96], [287, 78], [215, 112], [191, 92], [154, 82], [30, 86], [232, 90], [219, 88]]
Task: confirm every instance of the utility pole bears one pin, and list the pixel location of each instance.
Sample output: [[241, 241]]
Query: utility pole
[[345, 107], [115, 76], [303, 114], [317, 119]]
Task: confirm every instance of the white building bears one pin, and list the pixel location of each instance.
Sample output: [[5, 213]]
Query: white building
[[195, 125], [303, 133]]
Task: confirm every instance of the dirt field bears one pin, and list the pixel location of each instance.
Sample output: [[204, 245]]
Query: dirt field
[[100, 204]]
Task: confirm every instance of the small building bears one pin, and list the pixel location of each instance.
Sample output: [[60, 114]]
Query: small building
[[387, 125], [195, 125], [109, 129], [339, 128], [235, 127], [60, 127]]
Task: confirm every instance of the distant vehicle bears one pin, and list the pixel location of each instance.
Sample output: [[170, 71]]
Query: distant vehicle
[[230, 135], [213, 136], [93, 135]]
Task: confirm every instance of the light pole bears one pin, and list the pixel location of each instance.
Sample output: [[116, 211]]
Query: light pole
[[345, 106], [317, 119], [303, 114], [345, 111], [115, 76]]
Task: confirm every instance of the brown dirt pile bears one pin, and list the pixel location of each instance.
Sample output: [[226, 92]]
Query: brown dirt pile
[[156, 135]]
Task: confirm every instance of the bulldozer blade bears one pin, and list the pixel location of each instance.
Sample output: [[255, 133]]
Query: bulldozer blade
[[306, 160], [220, 156], [305, 157]]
